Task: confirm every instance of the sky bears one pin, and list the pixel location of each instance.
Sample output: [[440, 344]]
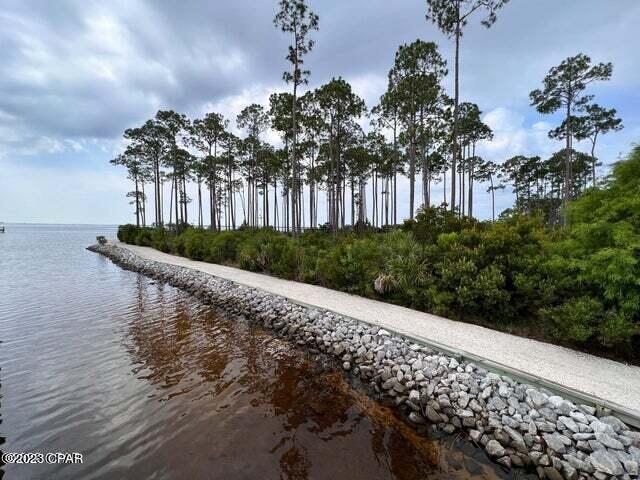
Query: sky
[[74, 74]]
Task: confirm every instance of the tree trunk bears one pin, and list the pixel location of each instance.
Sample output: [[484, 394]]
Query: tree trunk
[[412, 177], [567, 167], [456, 99], [137, 198]]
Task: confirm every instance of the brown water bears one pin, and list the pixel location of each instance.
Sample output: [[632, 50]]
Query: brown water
[[148, 382]]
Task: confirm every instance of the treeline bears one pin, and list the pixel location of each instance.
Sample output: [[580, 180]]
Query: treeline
[[575, 286], [416, 131]]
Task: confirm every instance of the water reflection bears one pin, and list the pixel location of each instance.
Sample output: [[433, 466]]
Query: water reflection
[[276, 412]]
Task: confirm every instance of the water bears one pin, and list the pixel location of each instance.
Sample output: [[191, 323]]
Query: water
[[148, 382]]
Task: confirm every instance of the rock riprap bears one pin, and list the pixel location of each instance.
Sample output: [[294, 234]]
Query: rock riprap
[[518, 425]]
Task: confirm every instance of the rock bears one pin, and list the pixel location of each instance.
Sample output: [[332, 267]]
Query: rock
[[579, 417], [606, 462], [570, 473], [414, 396], [443, 401], [583, 445], [415, 417], [578, 464], [388, 384], [506, 461], [601, 427], [463, 399], [537, 399], [633, 436], [504, 391], [475, 406], [554, 442], [475, 435], [496, 404], [552, 474], [494, 449], [516, 440], [510, 422], [346, 365], [569, 423], [453, 364], [432, 415], [589, 410], [609, 441], [486, 393], [631, 467], [614, 422]]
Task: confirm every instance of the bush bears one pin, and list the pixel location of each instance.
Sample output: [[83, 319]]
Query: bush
[[101, 240], [223, 247], [144, 237], [127, 233]]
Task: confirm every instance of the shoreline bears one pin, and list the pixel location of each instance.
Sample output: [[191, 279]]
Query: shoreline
[[579, 376], [517, 424]]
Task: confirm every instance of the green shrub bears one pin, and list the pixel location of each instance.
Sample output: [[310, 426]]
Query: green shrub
[[127, 233], [223, 247], [101, 240], [160, 240]]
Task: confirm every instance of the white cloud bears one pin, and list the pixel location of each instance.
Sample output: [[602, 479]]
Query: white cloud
[[512, 136]]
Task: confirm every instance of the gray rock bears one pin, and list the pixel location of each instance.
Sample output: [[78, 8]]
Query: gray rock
[[443, 401], [602, 427], [633, 436], [631, 467], [555, 442], [516, 440], [496, 404], [388, 384], [475, 406], [606, 462], [569, 423], [537, 399], [432, 415], [510, 422], [579, 417], [615, 423], [494, 449], [463, 399], [578, 464], [570, 472], [609, 441]]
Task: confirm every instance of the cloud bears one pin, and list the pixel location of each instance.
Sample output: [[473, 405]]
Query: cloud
[[75, 73], [511, 136]]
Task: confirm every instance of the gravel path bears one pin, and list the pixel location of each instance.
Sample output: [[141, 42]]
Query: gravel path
[[605, 380]]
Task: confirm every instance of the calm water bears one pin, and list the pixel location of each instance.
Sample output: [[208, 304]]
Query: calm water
[[147, 382]]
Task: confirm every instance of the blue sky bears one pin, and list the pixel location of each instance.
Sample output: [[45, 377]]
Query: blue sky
[[74, 74]]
